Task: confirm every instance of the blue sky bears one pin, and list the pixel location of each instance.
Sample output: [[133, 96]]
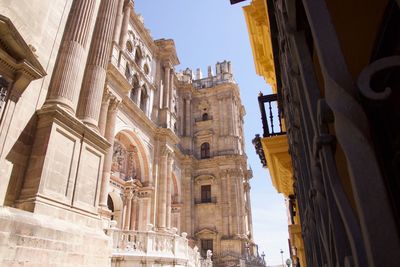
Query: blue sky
[[207, 31]]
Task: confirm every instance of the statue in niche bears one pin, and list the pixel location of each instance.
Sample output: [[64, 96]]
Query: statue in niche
[[118, 157]]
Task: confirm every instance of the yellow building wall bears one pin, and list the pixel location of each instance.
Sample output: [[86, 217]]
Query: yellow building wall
[[260, 39], [276, 147]]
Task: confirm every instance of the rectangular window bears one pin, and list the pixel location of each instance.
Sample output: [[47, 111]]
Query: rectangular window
[[206, 244], [205, 193]]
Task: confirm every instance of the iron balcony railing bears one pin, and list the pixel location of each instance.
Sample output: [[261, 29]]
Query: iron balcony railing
[[271, 115]]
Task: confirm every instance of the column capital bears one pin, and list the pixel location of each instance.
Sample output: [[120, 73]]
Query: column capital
[[106, 96], [167, 64], [129, 193], [171, 159], [114, 103], [166, 152], [129, 4]]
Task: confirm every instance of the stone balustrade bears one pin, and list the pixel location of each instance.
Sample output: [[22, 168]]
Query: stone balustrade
[[130, 247]]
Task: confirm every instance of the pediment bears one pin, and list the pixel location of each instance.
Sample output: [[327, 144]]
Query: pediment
[[206, 231], [204, 178], [16, 53]]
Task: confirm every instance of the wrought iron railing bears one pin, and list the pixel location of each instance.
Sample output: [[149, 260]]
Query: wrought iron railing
[[271, 115]]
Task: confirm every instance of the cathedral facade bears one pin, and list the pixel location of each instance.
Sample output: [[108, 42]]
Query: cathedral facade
[[99, 133]]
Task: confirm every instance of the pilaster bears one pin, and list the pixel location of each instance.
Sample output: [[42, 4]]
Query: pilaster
[[162, 191], [169, 190], [105, 103], [128, 195], [188, 115], [109, 136]]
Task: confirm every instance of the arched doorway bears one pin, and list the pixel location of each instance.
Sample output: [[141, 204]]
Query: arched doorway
[[130, 169], [115, 204], [176, 204]]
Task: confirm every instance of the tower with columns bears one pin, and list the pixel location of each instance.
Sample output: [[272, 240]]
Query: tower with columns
[[216, 210], [100, 134]]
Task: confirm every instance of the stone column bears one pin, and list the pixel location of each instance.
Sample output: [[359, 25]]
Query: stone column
[[222, 115], [96, 68], [187, 206], [249, 214], [151, 104], [128, 208], [236, 202], [109, 136], [134, 213], [241, 203], [68, 72], [167, 72], [187, 117], [234, 118], [231, 117], [224, 204], [169, 191], [128, 7], [171, 87], [118, 21], [139, 96], [230, 203], [103, 112], [162, 191]]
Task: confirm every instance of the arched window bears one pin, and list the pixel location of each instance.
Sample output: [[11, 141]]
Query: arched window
[[205, 150], [129, 46], [205, 116], [143, 99], [110, 205], [127, 71], [138, 56], [146, 69], [135, 88]]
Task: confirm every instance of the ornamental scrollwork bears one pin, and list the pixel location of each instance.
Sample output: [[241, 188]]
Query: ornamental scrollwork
[[367, 75]]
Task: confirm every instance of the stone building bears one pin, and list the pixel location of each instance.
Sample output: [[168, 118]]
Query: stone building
[[99, 134]]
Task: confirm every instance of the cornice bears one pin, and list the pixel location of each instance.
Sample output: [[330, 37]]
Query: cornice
[[170, 136], [115, 77], [14, 45], [143, 31]]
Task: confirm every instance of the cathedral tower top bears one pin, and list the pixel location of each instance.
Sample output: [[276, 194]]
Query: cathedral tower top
[[223, 74]]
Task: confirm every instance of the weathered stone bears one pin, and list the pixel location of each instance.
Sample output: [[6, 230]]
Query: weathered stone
[[143, 145]]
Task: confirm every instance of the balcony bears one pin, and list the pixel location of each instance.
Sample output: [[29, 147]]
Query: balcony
[[273, 148], [134, 247], [211, 200], [271, 115]]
